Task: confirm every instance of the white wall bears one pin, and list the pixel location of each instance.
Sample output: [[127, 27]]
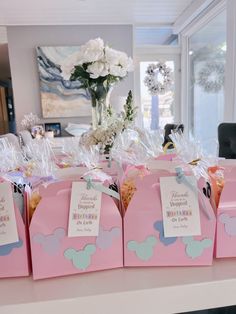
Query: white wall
[[22, 42]]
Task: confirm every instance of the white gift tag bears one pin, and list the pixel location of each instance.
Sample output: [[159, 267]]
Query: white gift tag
[[8, 227], [85, 208], [180, 208]]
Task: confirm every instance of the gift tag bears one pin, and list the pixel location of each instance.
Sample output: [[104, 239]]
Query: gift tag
[[180, 208], [8, 227], [85, 208]]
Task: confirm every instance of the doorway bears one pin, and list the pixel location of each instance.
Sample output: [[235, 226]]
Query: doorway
[[7, 112]]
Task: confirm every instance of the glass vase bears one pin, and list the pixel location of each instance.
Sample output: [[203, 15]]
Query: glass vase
[[98, 113], [99, 110]]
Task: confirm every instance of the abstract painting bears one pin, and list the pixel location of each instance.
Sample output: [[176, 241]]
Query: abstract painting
[[60, 97]]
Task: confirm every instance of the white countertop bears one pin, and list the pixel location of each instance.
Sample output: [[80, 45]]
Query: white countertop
[[131, 291]]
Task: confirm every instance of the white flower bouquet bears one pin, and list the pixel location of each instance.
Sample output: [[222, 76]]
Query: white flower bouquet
[[98, 67], [104, 136]]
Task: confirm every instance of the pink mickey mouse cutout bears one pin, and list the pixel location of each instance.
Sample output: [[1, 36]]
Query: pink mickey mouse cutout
[[105, 238], [50, 243], [229, 223]]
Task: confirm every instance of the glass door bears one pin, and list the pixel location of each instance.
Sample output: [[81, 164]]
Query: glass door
[[207, 55]]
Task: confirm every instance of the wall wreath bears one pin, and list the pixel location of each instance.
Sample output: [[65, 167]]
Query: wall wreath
[[211, 78], [158, 78]]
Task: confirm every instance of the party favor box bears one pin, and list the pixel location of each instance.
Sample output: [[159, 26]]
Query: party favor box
[[226, 221], [146, 244], [65, 240], [14, 253]]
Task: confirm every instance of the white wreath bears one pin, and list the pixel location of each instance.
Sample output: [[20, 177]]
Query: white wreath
[[158, 79], [211, 78]]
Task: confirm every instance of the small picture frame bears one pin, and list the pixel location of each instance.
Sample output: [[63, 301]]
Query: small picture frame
[[55, 127], [37, 131]]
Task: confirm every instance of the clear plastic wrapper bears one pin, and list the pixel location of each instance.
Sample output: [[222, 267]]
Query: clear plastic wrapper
[[11, 159], [129, 148], [40, 159], [91, 160], [67, 152], [192, 155], [202, 165], [132, 150], [153, 140]]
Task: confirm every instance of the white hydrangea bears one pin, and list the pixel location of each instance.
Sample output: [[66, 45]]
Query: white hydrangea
[[97, 69], [92, 51], [119, 63], [102, 60]]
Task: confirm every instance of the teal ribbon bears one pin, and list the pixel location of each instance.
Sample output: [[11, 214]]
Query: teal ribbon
[[109, 161], [182, 179], [101, 188]]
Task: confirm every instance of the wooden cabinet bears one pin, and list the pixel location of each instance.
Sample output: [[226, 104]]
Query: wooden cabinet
[[3, 112]]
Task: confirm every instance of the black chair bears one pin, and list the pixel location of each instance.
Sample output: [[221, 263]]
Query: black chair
[[167, 129], [227, 140]]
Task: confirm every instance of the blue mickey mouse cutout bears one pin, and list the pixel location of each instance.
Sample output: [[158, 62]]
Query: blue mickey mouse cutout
[[158, 225], [7, 248], [81, 259], [144, 250], [195, 248]]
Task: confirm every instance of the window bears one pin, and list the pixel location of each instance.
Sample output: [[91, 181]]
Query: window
[[207, 55]]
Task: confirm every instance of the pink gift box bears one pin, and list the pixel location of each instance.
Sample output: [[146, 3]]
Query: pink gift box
[[14, 257], [230, 172], [110, 167], [144, 241], [55, 254], [226, 221]]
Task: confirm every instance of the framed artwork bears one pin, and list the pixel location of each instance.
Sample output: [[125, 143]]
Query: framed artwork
[[54, 127], [60, 97]]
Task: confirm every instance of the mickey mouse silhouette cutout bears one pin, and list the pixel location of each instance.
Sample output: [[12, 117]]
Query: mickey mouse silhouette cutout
[[230, 224], [81, 259], [143, 250], [195, 248], [7, 248], [50, 243], [158, 225], [105, 237], [207, 190]]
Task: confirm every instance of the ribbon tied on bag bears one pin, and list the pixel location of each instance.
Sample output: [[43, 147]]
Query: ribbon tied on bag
[[101, 188], [181, 178]]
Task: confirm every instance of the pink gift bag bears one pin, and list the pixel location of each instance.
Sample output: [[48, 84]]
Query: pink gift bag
[[226, 221], [55, 254], [144, 241], [14, 257]]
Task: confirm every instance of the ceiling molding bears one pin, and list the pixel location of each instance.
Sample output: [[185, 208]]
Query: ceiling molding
[[189, 14], [88, 12], [155, 49]]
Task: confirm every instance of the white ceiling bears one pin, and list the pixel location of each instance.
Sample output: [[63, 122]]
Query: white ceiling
[[65, 12]]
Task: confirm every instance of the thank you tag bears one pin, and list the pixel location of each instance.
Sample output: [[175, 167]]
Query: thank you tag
[[8, 227], [180, 207], [85, 208]]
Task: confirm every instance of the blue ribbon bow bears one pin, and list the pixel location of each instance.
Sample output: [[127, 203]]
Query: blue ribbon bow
[[101, 188]]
